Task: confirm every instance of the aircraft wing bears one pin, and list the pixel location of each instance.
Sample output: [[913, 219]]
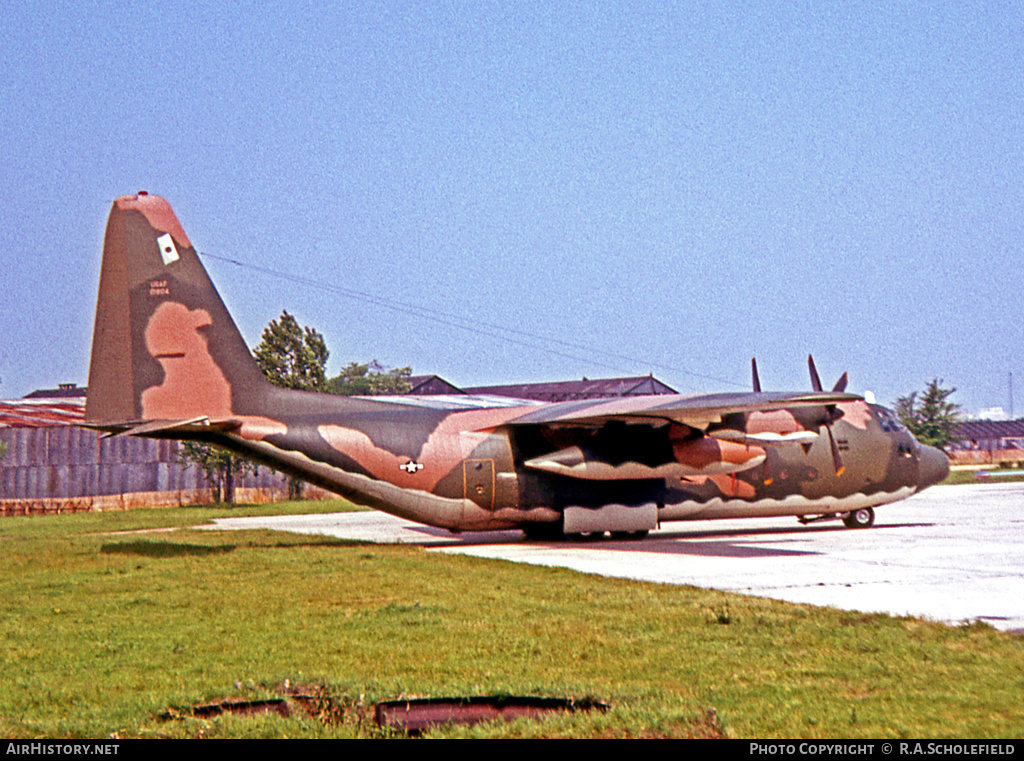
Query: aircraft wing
[[673, 436], [694, 411]]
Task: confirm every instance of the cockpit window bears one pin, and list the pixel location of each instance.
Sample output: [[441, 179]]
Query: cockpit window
[[888, 420]]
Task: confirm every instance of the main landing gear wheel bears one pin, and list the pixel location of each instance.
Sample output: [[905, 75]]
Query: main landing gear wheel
[[863, 518], [631, 536], [544, 532]]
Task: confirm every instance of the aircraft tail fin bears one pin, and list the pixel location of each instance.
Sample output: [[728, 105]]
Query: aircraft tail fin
[[164, 346]]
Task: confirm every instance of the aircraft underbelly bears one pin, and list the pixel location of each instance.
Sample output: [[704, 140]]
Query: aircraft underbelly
[[793, 504]]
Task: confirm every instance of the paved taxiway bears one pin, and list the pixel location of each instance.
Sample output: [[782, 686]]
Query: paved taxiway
[[952, 553]]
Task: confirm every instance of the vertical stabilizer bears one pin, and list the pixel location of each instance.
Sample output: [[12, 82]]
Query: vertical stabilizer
[[164, 346]]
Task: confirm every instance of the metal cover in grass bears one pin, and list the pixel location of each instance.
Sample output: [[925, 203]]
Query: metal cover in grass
[[417, 715]]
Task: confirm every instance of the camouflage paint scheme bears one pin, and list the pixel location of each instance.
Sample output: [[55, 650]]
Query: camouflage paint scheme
[[168, 362]]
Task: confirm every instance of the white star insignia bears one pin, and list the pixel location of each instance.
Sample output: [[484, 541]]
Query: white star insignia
[[412, 466]]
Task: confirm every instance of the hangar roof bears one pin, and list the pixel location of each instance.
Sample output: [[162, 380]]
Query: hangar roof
[[63, 391], [980, 430], [563, 391], [37, 413]]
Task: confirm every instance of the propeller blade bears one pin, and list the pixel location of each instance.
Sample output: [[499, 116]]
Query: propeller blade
[[837, 460], [831, 411], [815, 380], [753, 372]]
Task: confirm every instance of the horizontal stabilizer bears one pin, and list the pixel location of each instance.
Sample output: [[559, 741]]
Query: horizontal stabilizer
[[165, 428]]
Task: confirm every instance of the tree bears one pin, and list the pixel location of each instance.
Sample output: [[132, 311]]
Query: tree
[[931, 417], [291, 356], [370, 380], [218, 465]]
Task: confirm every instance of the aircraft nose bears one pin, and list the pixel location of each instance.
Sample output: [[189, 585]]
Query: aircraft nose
[[933, 467]]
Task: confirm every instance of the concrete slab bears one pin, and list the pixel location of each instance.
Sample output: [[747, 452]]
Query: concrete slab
[[952, 554]]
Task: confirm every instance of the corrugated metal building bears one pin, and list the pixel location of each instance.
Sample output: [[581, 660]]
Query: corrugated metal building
[[53, 464], [988, 441]]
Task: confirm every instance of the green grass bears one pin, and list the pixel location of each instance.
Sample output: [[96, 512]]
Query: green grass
[[122, 633], [958, 477]]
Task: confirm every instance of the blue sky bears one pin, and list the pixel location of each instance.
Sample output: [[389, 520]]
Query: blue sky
[[669, 188]]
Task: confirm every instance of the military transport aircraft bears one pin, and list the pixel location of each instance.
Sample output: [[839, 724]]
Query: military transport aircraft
[[169, 362]]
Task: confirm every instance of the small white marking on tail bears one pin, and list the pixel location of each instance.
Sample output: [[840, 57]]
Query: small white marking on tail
[[167, 249]]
